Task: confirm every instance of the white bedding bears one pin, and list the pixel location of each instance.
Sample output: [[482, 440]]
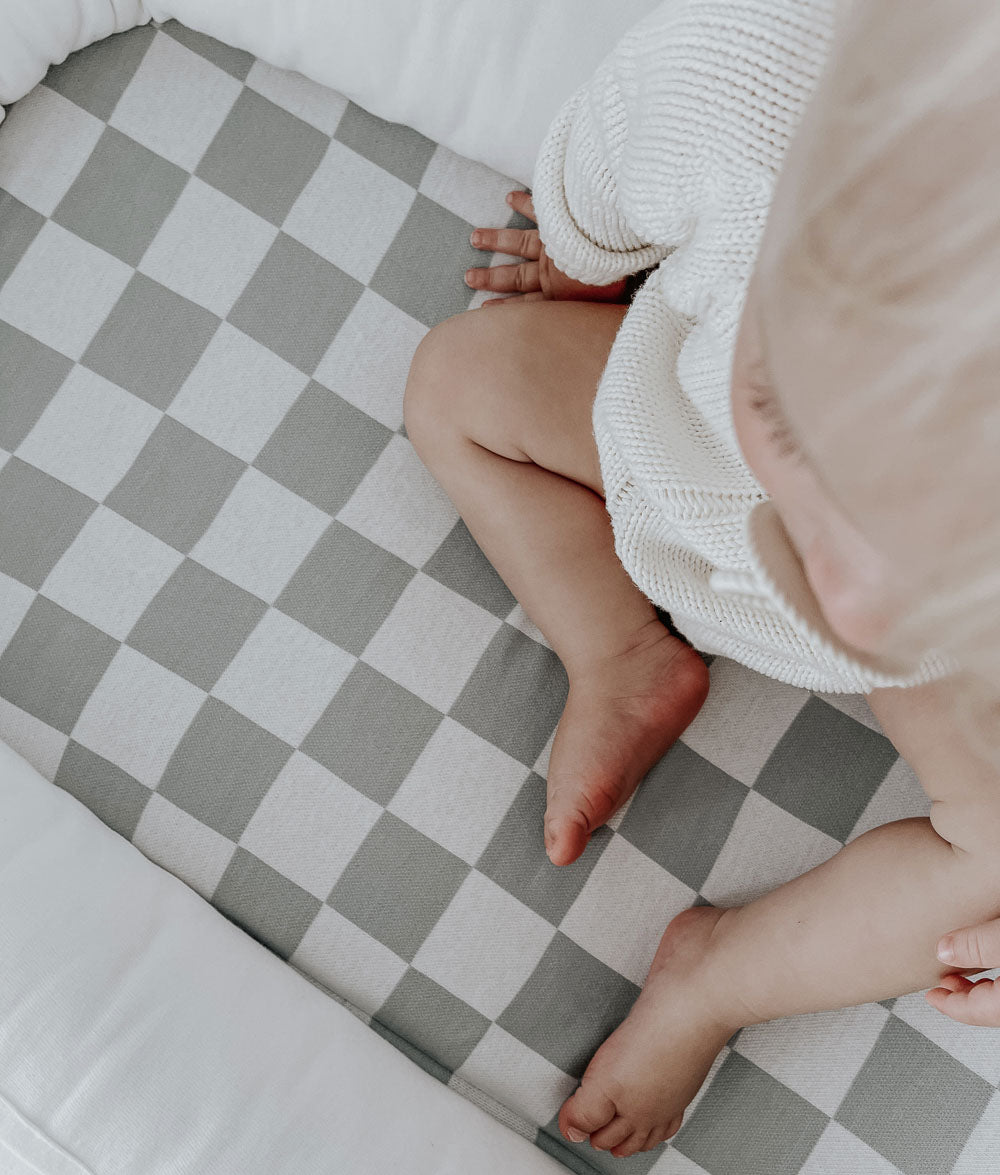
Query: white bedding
[[483, 78], [141, 1031]]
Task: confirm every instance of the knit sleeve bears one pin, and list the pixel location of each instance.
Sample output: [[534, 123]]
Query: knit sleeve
[[575, 190], [680, 129]]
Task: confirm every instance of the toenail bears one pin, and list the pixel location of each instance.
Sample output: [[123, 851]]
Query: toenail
[[575, 1135]]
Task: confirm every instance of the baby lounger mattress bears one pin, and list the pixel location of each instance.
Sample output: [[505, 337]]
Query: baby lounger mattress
[[243, 624]]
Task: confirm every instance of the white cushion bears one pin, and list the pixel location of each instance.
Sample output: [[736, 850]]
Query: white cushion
[[141, 1031], [482, 77]]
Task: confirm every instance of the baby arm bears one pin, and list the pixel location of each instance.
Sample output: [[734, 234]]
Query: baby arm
[[865, 924]]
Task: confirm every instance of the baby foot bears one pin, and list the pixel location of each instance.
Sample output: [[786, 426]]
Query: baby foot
[[634, 1091], [621, 718]]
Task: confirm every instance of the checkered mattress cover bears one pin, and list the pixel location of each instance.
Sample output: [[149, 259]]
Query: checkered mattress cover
[[243, 624]]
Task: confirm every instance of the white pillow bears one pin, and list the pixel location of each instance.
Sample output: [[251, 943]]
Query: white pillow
[[482, 77], [141, 1031]]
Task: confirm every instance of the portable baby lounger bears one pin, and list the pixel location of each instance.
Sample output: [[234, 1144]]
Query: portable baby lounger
[[254, 661]]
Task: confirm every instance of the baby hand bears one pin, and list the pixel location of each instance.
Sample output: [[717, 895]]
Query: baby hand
[[535, 278], [974, 948]]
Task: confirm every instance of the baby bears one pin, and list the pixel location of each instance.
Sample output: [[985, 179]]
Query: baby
[[688, 450]]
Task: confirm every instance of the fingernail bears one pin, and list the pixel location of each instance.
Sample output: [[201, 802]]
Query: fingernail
[[575, 1135], [468, 277], [946, 949], [510, 197], [476, 238]]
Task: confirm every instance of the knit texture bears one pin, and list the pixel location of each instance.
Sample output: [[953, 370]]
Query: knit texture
[[667, 158]]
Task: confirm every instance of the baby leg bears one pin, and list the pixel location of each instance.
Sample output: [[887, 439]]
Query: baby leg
[[498, 406], [860, 927]]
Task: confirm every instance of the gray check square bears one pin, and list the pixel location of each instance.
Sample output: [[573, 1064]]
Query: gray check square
[[569, 1005], [417, 1055], [52, 664], [39, 518], [121, 197], [21, 225], [108, 791], [459, 563], [30, 375], [196, 624], [515, 696], [96, 77], [150, 341], [323, 448], [431, 1018], [265, 903], [262, 156], [423, 269], [826, 768], [222, 768], [395, 148], [748, 1121], [371, 733], [913, 1102], [516, 859], [345, 588], [234, 61], [397, 885], [682, 812], [295, 303], [176, 485]]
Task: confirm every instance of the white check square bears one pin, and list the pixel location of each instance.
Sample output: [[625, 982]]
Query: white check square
[[183, 845], [260, 536], [137, 715], [623, 909], [372, 378], [238, 393], [90, 433], [110, 572], [15, 600], [819, 1055], [284, 677], [301, 96], [177, 121], [484, 946], [766, 847], [46, 141], [208, 247], [431, 641], [459, 790], [350, 211], [400, 506], [501, 1066], [37, 742], [309, 825], [348, 961], [62, 290]]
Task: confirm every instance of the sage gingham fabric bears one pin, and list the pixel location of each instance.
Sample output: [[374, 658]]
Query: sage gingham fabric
[[242, 623]]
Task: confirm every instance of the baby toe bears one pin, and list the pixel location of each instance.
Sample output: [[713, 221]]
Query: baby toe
[[661, 1134], [616, 1131], [587, 1110], [631, 1145], [566, 837]]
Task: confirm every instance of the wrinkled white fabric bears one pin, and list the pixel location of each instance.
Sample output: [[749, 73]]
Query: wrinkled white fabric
[[143, 1033], [668, 157], [481, 78]]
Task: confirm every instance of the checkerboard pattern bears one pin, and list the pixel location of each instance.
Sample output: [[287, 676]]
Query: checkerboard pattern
[[242, 623]]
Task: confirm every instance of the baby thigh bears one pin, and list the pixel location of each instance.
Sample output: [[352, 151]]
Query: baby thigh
[[519, 380]]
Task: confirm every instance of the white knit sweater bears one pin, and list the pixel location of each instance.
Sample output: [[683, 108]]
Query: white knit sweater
[[668, 157]]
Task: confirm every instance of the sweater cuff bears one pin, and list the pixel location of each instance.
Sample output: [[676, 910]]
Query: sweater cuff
[[575, 198]]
